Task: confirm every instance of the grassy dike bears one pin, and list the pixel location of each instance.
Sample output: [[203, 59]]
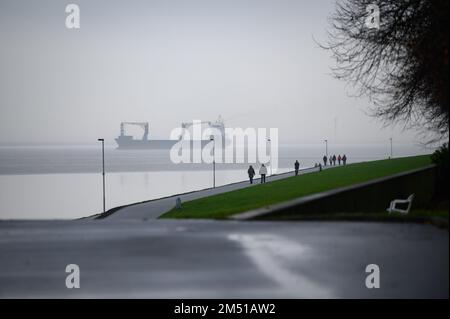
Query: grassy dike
[[224, 205]]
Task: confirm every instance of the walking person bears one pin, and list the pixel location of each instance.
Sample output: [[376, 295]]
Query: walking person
[[251, 174], [325, 160], [331, 160], [339, 159], [297, 167], [263, 173], [344, 159], [334, 160]]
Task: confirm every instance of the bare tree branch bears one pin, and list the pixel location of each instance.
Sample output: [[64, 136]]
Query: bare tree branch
[[402, 66]]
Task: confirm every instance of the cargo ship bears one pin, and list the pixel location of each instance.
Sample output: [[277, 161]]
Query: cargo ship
[[125, 141]]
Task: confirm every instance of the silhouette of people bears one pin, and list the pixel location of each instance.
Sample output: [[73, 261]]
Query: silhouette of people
[[325, 160], [251, 174], [263, 173], [297, 167], [339, 159], [334, 160], [344, 159], [331, 160]]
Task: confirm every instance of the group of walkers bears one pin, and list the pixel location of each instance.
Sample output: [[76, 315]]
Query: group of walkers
[[263, 172], [332, 160]]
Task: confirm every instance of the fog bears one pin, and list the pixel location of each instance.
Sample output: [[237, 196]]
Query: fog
[[255, 62]]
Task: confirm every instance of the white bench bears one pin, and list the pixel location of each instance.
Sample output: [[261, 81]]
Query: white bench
[[394, 203]]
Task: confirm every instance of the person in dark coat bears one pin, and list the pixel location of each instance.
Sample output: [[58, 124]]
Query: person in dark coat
[[339, 159], [251, 174], [325, 160], [297, 167], [334, 160], [344, 159]]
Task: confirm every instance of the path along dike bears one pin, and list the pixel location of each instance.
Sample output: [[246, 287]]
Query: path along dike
[[155, 208]]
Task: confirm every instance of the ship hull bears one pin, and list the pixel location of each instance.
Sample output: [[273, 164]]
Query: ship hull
[[145, 145], [127, 143]]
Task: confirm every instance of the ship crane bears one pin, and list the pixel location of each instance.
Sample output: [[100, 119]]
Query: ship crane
[[188, 125], [218, 124], [143, 125]]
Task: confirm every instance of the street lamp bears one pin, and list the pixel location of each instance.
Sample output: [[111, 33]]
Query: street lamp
[[214, 161], [270, 156], [392, 150], [326, 148], [103, 172]]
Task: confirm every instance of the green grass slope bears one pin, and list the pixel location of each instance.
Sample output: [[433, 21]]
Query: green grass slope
[[224, 205]]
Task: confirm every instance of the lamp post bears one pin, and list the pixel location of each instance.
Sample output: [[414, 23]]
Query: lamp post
[[214, 161], [103, 172], [326, 148], [270, 156], [392, 150]]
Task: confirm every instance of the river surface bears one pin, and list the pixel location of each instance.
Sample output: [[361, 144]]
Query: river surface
[[65, 182]]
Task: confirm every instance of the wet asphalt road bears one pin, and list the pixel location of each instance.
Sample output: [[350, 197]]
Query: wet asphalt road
[[222, 259]]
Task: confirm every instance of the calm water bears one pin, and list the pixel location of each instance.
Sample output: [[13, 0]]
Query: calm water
[[65, 182]]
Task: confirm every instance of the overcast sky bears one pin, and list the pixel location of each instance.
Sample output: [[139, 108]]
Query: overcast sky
[[254, 62]]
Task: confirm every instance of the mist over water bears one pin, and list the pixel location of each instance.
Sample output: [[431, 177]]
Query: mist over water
[[257, 63], [54, 182]]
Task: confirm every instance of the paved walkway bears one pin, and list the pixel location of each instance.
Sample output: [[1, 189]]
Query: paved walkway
[[155, 208], [222, 259]]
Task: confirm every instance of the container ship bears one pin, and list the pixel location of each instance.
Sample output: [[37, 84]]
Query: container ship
[[125, 141]]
